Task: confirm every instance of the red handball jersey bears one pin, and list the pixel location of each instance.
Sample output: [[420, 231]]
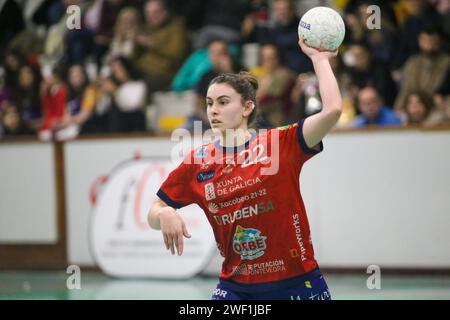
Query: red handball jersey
[[251, 197]]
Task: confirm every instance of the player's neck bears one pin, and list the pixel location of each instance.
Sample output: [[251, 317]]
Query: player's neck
[[234, 137]]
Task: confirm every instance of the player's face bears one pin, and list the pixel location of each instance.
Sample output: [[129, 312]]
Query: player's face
[[224, 107]]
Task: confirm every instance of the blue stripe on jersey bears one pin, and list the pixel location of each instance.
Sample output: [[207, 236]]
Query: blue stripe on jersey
[[164, 197], [301, 139]]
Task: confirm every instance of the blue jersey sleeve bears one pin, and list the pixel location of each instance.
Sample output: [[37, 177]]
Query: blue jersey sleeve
[[291, 138]]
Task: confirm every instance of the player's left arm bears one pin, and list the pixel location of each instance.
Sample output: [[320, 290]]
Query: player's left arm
[[316, 127]]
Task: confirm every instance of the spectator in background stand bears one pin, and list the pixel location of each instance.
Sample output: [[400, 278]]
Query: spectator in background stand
[[63, 45], [422, 15], [106, 11], [11, 64], [11, 123], [275, 86], [381, 41], [121, 101], [306, 99], [162, 46], [196, 65], [53, 95], [45, 12], [28, 96], [191, 11], [442, 98], [222, 20], [426, 70], [373, 112], [256, 22], [222, 62], [6, 93], [80, 102], [364, 71], [418, 108], [11, 23], [284, 33], [126, 29], [443, 9]]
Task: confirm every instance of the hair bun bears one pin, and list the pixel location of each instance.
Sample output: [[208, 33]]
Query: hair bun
[[250, 78]]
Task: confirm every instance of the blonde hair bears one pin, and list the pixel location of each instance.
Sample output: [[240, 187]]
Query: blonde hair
[[118, 27]]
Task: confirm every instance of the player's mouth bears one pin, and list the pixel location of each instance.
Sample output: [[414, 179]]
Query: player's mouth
[[215, 121]]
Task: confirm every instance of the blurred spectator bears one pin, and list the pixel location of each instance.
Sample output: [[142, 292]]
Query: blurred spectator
[[53, 95], [28, 44], [306, 99], [61, 42], [126, 29], [11, 64], [162, 46], [426, 70], [45, 12], [27, 95], [5, 91], [422, 15], [305, 96], [256, 22], [196, 65], [100, 19], [222, 20], [364, 71], [284, 33], [191, 11], [81, 100], [11, 123], [418, 109], [222, 62], [121, 101], [11, 23], [373, 112], [443, 9], [275, 86], [442, 99], [382, 41]]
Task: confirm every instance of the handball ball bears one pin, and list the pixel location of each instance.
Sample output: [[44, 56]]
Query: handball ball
[[322, 28]]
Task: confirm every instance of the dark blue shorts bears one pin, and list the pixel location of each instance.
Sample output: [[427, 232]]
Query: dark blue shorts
[[310, 286]]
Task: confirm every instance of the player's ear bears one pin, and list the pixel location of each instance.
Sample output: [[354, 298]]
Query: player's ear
[[248, 107]]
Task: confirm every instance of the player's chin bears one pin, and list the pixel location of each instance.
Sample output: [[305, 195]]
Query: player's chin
[[217, 127]]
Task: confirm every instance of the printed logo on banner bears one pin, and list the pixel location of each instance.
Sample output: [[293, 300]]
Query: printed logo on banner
[[122, 243]]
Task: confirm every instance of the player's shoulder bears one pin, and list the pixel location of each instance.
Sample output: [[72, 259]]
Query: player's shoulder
[[288, 126], [285, 130]]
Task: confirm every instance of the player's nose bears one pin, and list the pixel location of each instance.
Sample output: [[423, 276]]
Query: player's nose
[[214, 110]]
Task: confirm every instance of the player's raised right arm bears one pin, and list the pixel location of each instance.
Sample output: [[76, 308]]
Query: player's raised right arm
[[165, 218], [318, 125]]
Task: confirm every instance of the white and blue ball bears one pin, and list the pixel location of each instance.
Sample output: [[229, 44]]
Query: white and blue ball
[[322, 28]]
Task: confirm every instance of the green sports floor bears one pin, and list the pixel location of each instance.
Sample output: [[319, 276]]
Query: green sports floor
[[95, 285]]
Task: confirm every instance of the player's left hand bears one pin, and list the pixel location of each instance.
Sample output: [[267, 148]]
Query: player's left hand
[[313, 53]]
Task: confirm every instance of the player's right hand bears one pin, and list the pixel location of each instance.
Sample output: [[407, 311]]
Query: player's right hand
[[313, 53], [173, 229]]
